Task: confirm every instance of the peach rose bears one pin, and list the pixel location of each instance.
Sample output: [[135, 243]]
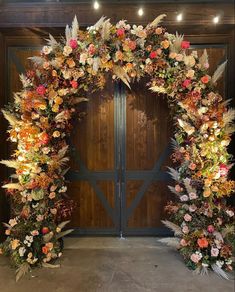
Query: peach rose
[[202, 242]]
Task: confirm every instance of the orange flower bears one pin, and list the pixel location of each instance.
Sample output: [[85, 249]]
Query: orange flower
[[158, 30], [45, 249], [205, 79], [165, 44], [206, 193], [202, 242]]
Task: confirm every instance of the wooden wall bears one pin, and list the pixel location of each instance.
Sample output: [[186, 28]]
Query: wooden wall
[[27, 24]]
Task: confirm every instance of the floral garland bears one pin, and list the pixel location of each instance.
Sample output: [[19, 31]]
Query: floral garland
[[40, 122]]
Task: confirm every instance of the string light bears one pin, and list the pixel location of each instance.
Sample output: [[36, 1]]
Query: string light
[[179, 17], [216, 19], [140, 11], [96, 5]]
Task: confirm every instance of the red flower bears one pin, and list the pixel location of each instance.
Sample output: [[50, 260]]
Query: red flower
[[205, 79], [41, 90], [186, 83], [223, 169], [45, 230], [153, 55], [120, 32], [202, 242], [73, 44], [185, 44], [74, 84]]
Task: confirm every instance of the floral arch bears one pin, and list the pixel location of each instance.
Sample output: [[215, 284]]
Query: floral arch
[[40, 121]]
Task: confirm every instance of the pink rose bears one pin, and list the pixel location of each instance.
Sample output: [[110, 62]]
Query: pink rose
[[192, 208], [120, 32], [195, 258], [214, 252], [210, 228], [41, 90], [91, 49], [186, 83], [185, 44], [183, 242], [73, 44], [178, 188], [185, 229], [223, 170], [74, 84], [187, 217]]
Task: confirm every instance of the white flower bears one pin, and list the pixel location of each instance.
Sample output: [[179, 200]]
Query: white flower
[[230, 213], [12, 222], [192, 196], [22, 251], [83, 58], [67, 51], [220, 263], [184, 198], [46, 50], [214, 252], [63, 189]]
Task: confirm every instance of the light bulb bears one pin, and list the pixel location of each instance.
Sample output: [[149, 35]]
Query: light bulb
[[179, 17], [216, 19], [140, 12], [96, 5]]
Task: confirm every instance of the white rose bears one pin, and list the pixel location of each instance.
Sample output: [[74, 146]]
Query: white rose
[[67, 50]]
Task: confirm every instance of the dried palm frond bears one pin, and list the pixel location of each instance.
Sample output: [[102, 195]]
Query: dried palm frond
[[220, 272], [186, 127], [203, 60], [174, 144], [68, 34], [157, 20], [170, 241], [63, 224], [99, 23], [228, 229], [121, 74], [10, 118], [62, 162], [14, 186], [203, 270], [174, 173], [77, 100], [229, 130], [158, 89], [47, 237], [65, 171], [10, 163], [17, 97], [63, 233], [229, 116], [188, 186], [62, 152], [105, 32], [47, 265], [175, 44], [218, 72], [37, 60], [175, 228], [172, 189], [22, 271], [52, 42], [59, 118], [226, 102], [75, 28]]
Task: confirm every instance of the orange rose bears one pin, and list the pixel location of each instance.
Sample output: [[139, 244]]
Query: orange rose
[[205, 79], [45, 249], [165, 44], [202, 242]]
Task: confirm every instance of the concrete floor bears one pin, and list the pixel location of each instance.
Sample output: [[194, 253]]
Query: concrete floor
[[114, 265]]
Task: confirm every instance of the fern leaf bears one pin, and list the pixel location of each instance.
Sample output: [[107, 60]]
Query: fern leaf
[[22, 271], [175, 228], [157, 20], [218, 72]]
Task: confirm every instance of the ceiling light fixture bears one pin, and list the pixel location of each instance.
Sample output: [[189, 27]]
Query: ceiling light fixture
[[179, 17], [216, 19], [96, 5], [140, 11]]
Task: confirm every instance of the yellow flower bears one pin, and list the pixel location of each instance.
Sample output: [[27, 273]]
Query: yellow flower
[[206, 193], [55, 108], [165, 44], [15, 243], [58, 100], [8, 232], [56, 134], [71, 63]]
